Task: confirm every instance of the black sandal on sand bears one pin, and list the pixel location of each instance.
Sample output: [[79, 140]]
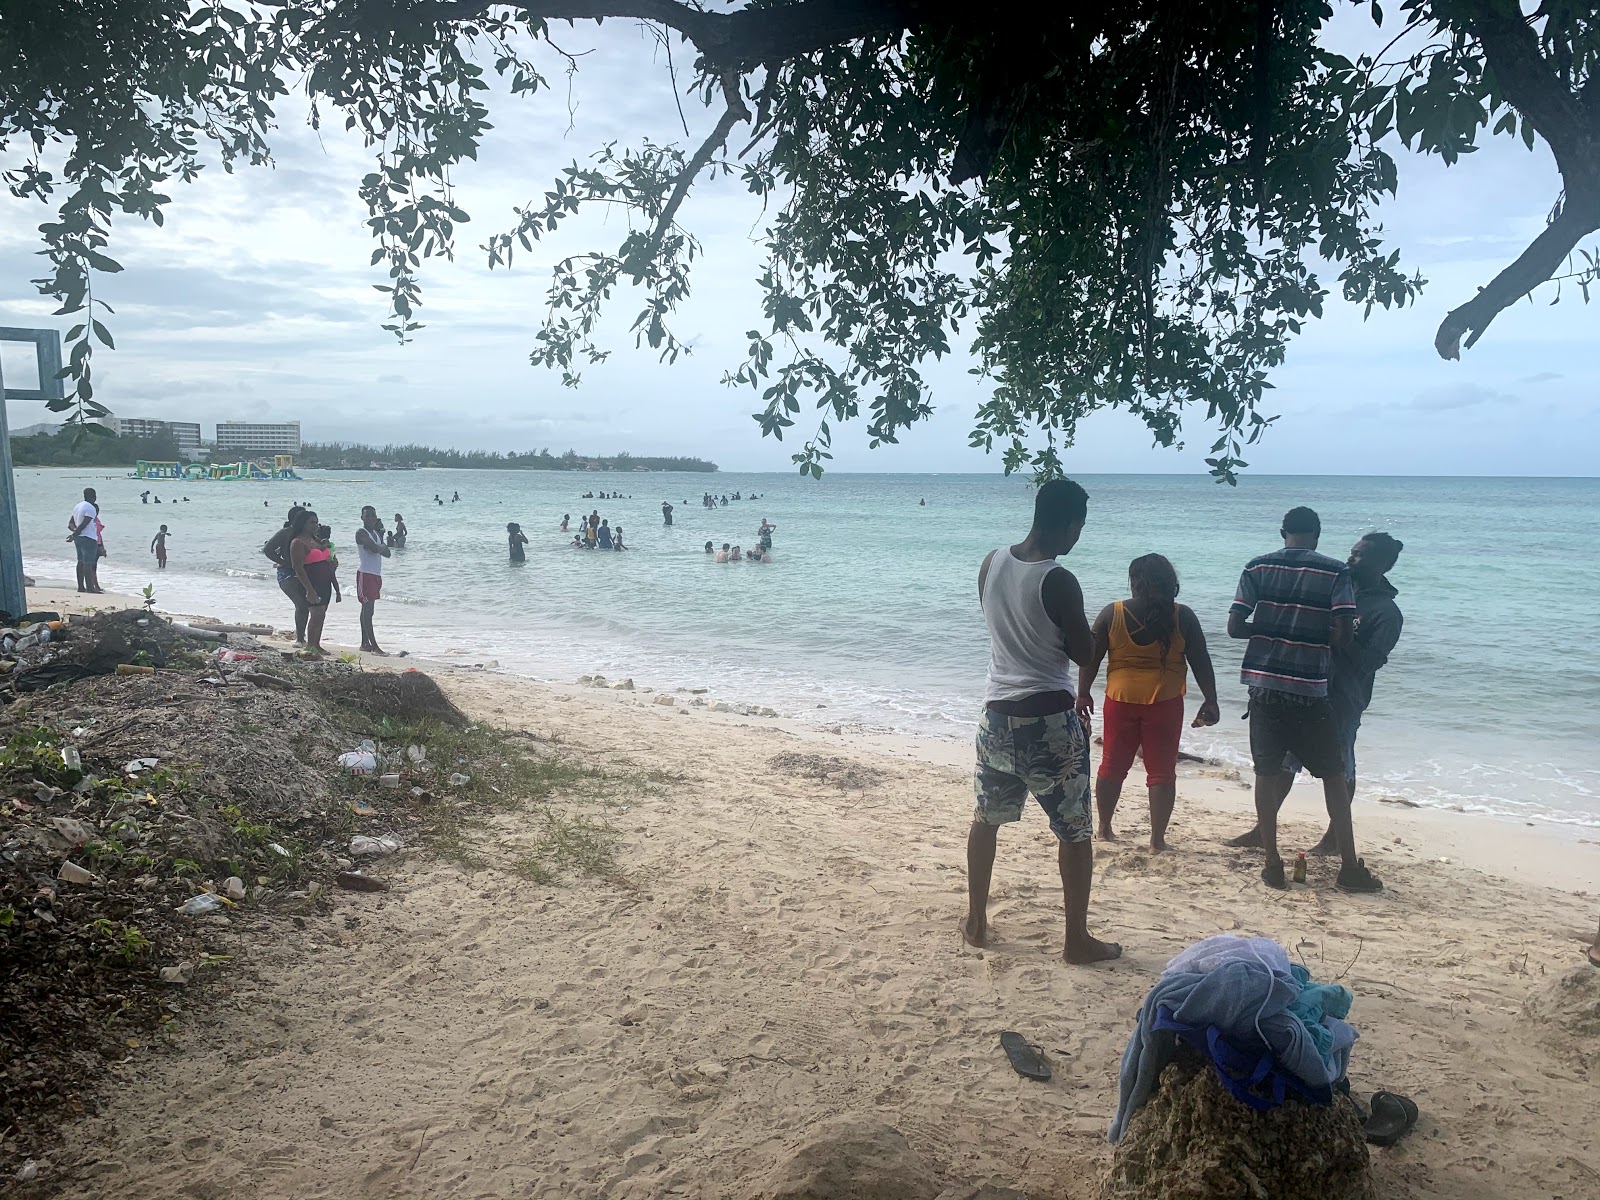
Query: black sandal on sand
[[1272, 875], [1026, 1058], [1393, 1116], [1358, 879]]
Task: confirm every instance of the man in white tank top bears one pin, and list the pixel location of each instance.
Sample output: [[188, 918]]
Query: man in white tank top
[[370, 553], [1030, 738]]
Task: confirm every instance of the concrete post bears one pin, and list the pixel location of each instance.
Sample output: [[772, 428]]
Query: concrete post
[[13, 595], [47, 353]]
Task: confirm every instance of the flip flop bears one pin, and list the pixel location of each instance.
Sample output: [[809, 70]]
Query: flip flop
[[1026, 1058], [1393, 1116]]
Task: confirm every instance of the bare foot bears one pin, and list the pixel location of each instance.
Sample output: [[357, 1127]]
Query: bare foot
[[1593, 955], [973, 933], [1106, 834], [1252, 839], [378, 653], [1159, 846], [1091, 950], [1327, 846]]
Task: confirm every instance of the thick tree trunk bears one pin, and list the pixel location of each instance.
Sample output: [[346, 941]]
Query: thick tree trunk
[[1568, 122]]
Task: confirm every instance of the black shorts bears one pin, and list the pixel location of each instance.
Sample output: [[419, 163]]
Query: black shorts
[[295, 590], [1307, 731]]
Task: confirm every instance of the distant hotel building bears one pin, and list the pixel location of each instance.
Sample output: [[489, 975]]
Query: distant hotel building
[[247, 438], [185, 433]]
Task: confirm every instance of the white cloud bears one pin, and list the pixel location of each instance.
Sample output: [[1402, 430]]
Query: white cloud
[[1454, 396]]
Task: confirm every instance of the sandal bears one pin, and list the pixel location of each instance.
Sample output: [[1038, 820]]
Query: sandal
[[1358, 879], [1392, 1117], [1026, 1058]]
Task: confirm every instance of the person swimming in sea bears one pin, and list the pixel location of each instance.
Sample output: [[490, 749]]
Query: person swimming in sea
[[517, 540], [616, 539], [711, 548], [566, 519], [603, 537], [722, 555]]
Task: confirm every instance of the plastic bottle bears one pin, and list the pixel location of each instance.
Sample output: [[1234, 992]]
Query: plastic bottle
[[198, 906], [363, 847]]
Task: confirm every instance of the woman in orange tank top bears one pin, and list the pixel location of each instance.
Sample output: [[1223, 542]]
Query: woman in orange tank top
[[1149, 642]]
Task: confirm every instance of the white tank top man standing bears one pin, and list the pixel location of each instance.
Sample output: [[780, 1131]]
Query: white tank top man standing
[[370, 551], [1030, 738]]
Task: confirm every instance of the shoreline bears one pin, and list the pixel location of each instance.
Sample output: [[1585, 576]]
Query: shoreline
[[1547, 853]]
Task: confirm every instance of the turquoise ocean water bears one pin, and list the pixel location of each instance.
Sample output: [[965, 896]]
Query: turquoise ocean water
[[869, 616]]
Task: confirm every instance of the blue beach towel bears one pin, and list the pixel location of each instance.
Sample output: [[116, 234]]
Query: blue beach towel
[[1260, 1007]]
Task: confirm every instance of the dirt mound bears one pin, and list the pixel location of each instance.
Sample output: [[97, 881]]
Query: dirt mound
[[848, 1158], [90, 646], [238, 744], [1567, 1011], [841, 772], [126, 799], [406, 698], [1194, 1141]]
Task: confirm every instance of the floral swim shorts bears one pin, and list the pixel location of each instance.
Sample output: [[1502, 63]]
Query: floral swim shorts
[[1048, 756]]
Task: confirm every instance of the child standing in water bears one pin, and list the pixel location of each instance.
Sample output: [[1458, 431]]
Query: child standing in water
[[158, 544], [518, 540]]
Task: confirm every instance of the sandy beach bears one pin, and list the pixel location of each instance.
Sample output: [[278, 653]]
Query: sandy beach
[[781, 949]]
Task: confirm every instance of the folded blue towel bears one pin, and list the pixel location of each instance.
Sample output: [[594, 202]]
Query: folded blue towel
[[1247, 989]]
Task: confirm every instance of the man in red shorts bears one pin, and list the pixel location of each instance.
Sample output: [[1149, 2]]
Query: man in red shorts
[[370, 552]]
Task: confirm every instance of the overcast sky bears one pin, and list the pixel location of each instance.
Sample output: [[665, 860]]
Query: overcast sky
[[255, 300]]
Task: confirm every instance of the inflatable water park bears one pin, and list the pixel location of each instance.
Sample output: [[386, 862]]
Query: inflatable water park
[[282, 468]]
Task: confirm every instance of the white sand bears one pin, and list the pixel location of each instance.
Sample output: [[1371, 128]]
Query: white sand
[[783, 951]]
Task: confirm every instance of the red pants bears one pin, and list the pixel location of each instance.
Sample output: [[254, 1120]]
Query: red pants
[[1153, 728]]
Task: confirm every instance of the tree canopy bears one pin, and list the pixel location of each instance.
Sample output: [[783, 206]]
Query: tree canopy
[[1133, 204]]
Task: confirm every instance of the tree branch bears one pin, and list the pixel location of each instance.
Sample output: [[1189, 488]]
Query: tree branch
[[1534, 266], [1511, 50], [731, 116], [735, 40], [1572, 130]]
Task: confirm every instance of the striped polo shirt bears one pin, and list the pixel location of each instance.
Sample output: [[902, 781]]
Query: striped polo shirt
[[1294, 594]]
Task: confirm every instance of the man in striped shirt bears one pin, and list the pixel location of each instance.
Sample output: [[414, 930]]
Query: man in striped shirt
[[1294, 606]]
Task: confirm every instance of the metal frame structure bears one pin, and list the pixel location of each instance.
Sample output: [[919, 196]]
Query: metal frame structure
[[47, 353]]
